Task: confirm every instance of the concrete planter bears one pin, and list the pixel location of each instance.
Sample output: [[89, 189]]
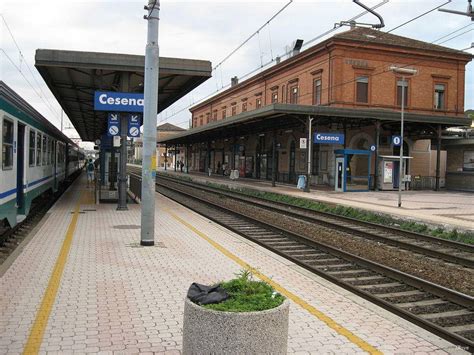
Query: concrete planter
[[206, 331]]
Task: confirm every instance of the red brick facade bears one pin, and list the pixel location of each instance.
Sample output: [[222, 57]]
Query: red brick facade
[[337, 63]]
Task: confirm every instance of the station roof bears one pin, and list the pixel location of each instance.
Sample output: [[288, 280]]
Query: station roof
[[74, 76], [282, 116]]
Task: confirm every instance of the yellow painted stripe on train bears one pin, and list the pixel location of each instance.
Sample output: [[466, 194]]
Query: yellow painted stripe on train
[[296, 299], [37, 331]]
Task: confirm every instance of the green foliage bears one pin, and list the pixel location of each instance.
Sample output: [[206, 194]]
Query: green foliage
[[351, 212], [247, 295]]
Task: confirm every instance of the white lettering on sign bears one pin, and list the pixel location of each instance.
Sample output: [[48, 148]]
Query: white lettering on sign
[[327, 138], [104, 99]]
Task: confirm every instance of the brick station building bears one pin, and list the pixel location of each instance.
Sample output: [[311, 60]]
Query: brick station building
[[345, 85]]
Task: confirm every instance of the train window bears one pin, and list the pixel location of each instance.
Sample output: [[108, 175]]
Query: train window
[[38, 149], [32, 147], [52, 152], [7, 144], [45, 153]]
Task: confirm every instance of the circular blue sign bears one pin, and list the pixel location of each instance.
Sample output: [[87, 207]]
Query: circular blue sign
[[373, 148]]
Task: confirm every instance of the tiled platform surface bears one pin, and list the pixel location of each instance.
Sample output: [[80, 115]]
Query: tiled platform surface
[[117, 297], [446, 208]]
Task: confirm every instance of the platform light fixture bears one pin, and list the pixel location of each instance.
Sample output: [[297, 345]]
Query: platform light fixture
[[403, 72]]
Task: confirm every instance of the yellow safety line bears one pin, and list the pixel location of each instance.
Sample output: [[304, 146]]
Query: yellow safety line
[[37, 331], [296, 299]]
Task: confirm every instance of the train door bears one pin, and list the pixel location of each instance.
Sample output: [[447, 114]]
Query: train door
[[20, 167]]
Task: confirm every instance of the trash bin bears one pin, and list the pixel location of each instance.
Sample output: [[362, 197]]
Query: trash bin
[[301, 182]]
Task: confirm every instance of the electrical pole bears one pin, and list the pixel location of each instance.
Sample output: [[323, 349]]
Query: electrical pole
[[149, 125]]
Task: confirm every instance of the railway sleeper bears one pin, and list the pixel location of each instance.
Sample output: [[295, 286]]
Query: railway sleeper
[[375, 286]]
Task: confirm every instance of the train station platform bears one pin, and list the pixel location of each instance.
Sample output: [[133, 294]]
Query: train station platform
[[448, 209], [82, 283]]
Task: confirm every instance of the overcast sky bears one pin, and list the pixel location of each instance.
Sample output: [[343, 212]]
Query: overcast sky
[[200, 30]]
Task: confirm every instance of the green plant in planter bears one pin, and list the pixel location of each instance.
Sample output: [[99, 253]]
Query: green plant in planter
[[247, 295]]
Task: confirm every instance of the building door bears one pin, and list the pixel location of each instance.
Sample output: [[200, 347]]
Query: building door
[[291, 170], [339, 183], [20, 167]]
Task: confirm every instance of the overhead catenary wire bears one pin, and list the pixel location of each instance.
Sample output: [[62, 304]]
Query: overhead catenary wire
[[368, 40], [272, 58], [22, 58]]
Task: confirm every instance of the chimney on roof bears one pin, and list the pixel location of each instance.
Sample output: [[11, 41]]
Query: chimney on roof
[[234, 81], [353, 24], [277, 60], [297, 47]]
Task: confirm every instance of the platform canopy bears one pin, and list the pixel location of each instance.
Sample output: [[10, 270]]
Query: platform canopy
[[74, 76], [283, 116]]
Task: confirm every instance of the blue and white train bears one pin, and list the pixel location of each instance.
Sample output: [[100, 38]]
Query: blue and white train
[[36, 156]]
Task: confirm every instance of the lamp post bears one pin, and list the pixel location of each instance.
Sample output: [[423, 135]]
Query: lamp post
[[403, 72]]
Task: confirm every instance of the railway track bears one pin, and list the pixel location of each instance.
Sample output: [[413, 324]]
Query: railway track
[[10, 238], [442, 249], [445, 312]]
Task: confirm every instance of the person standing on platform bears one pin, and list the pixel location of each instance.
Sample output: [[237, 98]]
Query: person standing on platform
[[90, 172]]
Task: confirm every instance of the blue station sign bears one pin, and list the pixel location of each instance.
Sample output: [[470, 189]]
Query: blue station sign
[[134, 123], [328, 138], [118, 101]]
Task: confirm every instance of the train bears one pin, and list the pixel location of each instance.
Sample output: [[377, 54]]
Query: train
[[37, 158]]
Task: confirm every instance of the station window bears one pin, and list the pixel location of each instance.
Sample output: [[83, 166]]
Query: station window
[[258, 102], [31, 156], [234, 110], [244, 106], [201, 120], [402, 84], [362, 89], [194, 121], [439, 97], [214, 116], [7, 145], [52, 151], [294, 95], [45, 153], [274, 97], [468, 161], [38, 149], [317, 92], [224, 113], [208, 117]]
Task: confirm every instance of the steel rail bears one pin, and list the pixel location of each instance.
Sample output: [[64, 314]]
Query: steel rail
[[336, 224], [455, 297]]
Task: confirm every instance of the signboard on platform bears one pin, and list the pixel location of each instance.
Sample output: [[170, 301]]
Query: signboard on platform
[[113, 124], [328, 138], [134, 123], [118, 101], [303, 143]]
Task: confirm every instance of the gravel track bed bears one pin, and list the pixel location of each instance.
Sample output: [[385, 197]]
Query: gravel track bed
[[448, 275]]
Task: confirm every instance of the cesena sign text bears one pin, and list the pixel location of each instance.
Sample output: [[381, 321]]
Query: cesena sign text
[[328, 138], [118, 101]]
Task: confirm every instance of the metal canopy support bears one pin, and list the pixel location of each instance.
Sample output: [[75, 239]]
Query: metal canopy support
[[438, 157], [166, 157], [186, 158], [175, 159], [310, 148], [377, 143], [122, 178], [147, 235], [274, 158]]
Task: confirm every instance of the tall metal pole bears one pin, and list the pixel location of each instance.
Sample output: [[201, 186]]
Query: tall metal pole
[[310, 146], [122, 176], [400, 168], [149, 126]]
